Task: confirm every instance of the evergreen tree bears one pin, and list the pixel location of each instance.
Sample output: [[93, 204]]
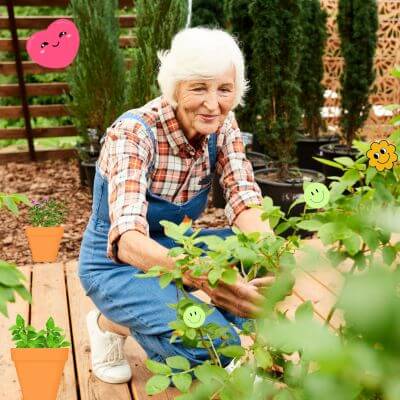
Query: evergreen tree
[[208, 13], [97, 76], [240, 25], [311, 70], [358, 23], [276, 49], [157, 21]]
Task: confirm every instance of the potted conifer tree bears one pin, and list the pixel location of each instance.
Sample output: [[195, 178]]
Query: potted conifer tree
[[239, 23], [358, 24], [277, 46], [97, 76], [157, 22], [208, 13], [311, 73]]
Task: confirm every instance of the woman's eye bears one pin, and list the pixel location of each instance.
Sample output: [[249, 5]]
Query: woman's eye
[[198, 89], [61, 34], [44, 44], [225, 90]]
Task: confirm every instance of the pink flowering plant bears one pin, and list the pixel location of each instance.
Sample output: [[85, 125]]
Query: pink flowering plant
[[47, 213]]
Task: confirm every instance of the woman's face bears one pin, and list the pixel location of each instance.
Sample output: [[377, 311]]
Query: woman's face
[[203, 104]]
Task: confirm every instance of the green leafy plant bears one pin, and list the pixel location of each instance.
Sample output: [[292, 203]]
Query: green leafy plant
[[276, 51], [11, 279], [300, 358], [49, 212], [358, 24], [26, 336]]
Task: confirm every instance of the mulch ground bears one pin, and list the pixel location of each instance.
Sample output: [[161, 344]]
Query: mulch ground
[[60, 180]]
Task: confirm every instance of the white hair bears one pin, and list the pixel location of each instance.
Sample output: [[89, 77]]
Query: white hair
[[200, 53]]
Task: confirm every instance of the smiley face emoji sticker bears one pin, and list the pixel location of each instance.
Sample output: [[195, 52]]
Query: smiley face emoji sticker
[[56, 46], [194, 316], [382, 155], [316, 195]]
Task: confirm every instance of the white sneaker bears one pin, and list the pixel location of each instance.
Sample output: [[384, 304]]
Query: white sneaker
[[108, 361], [234, 364]]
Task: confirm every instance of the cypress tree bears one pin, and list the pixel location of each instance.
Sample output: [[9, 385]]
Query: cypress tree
[[208, 13], [311, 70], [276, 49], [358, 24], [97, 76], [157, 22], [240, 25]]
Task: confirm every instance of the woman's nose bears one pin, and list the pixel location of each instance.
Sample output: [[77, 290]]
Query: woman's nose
[[211, 100]]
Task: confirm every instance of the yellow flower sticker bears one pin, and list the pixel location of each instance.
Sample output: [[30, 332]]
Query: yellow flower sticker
[[382, 155]]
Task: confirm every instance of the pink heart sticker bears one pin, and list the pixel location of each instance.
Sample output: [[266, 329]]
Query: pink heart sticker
[[55, 47]]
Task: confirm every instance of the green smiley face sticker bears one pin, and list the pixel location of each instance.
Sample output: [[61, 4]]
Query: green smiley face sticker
[[194, 317], [316, 195]]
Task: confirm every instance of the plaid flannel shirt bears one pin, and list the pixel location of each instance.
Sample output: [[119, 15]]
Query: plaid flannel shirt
[[179, 168]]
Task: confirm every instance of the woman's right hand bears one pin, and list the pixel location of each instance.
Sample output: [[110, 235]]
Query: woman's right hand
[[242, 298]]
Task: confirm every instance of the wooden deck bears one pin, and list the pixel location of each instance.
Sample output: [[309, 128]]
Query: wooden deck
[[57, 292]]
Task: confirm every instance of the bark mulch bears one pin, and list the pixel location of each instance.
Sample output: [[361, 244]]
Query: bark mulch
[[60, 180]]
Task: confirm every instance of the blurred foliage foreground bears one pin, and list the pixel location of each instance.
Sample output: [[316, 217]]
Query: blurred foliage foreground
[[300, 359]]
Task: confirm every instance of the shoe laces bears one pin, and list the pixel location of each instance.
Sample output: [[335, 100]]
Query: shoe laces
[[114, 354]]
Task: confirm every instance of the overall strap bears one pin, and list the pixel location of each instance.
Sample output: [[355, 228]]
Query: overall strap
[[212, 151]]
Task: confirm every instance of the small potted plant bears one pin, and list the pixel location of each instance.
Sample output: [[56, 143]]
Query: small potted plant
[[39, 358], [45, 231]]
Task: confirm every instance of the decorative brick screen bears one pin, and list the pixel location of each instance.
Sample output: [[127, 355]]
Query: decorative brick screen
[[387, 56]]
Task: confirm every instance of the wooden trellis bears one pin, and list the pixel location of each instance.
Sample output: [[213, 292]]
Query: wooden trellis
[[22, 90]]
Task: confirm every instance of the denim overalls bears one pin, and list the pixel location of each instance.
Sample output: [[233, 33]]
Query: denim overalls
[[140, 304]]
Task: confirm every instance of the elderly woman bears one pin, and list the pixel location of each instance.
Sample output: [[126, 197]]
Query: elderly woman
[[156, 164]]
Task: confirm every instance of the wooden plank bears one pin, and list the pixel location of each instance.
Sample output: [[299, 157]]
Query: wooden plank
[[9, 388], [42, 22], [50, 299], [55, 131], [36, 110], [29, 67], [137, 356], [90, 387], [34, 89], [56, 3], [6, 44], [307, 288], [23, 156]]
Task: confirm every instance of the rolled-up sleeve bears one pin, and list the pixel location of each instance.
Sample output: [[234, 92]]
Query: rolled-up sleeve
[[128, 150], [237, 176]]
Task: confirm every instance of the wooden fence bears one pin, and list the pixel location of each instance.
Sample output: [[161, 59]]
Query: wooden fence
[[23, 90]]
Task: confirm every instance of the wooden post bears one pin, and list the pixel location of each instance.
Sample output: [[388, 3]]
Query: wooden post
[[21, 80]]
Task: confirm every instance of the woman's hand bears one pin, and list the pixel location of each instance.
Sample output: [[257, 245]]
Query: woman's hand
[[242, 298]]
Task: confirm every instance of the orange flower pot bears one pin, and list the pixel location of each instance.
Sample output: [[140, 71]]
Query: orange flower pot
[[44, 242], [39, 371]]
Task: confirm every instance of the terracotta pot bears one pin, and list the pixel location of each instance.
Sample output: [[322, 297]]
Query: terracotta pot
[[44, 242], [39, 371]]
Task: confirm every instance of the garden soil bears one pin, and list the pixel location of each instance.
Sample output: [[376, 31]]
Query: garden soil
[[60, 180]]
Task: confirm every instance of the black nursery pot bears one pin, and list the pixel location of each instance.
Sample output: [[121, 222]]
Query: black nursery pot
[[90, 172], [308, 147], [258, 161], [333, 150], [284, 193]]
